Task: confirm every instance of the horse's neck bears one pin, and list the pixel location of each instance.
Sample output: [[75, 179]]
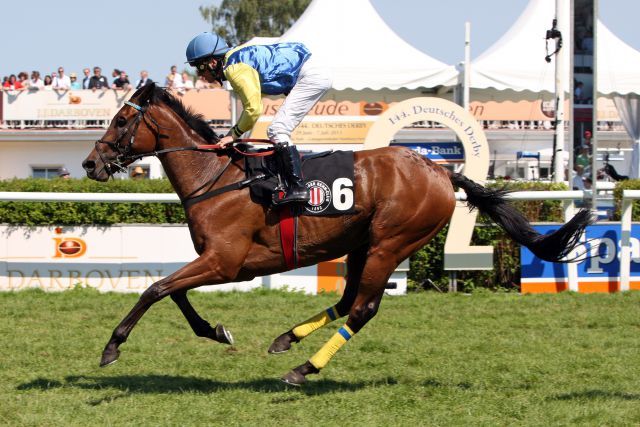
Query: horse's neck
[[187, 170]]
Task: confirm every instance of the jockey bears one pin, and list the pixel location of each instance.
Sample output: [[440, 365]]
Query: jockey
[[282, 68]]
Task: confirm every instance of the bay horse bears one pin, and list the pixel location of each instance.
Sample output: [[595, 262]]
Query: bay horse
[[401, 201]]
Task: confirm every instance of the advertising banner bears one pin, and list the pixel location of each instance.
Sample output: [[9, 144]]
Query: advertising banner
[[599, 273], [130, 258], [214, 104], [438, 152], [319, 130]]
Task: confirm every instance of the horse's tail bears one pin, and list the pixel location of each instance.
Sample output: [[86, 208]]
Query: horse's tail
[[553, 247]]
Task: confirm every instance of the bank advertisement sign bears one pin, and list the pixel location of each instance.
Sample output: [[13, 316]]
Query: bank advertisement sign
[[438, 152], [599, 273]]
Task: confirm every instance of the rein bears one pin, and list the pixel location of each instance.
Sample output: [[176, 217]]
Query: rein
[[125, 155]]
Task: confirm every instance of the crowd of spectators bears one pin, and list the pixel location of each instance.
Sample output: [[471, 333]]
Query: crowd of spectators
[[59, 80]]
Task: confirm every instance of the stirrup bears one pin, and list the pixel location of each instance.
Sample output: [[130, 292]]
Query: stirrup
[[293, 195]]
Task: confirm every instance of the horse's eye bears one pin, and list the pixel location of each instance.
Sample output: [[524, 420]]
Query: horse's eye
[[121, 121]]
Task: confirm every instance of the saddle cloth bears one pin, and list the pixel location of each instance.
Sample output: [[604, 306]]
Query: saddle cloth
[[327, 175]]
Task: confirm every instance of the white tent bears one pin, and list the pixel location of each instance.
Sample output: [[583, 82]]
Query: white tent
[[352, 40], [516, 61]]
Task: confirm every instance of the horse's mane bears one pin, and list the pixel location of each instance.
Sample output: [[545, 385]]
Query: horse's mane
[[194, 120]]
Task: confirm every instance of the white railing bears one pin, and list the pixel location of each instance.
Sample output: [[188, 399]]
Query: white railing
[[89, 197]]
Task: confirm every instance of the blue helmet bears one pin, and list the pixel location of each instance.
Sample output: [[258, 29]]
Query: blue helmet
[[205, 45]]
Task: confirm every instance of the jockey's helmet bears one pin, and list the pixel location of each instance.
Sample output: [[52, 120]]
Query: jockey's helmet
[[206, 45]]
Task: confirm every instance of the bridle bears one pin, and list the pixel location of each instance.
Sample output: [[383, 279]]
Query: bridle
[[125, 152]]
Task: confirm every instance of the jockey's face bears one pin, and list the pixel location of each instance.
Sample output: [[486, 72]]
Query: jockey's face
[[208, 71]]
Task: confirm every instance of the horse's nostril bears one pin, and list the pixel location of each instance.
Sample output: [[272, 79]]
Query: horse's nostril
[[89, 165]]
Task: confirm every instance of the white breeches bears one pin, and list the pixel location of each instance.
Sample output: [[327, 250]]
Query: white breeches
[[313, 81]]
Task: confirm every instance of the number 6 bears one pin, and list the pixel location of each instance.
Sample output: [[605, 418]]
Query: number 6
[[342, 194]]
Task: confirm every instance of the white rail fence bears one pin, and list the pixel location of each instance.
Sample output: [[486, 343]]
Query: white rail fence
[[567, 197]]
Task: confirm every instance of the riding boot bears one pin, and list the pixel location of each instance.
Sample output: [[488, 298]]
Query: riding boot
[[295, 191]]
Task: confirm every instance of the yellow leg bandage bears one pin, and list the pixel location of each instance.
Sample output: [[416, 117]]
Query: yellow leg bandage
[[316, 322], [322, 357]]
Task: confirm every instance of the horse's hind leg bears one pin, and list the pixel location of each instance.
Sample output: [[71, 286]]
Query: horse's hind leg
[[355, 264], [377, 271], [382, 258], [200, 327]]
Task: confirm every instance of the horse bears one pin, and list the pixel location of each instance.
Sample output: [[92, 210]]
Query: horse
[[402, 200]]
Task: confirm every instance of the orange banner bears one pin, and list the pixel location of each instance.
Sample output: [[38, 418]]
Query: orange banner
[[330, 108], [322, 132]]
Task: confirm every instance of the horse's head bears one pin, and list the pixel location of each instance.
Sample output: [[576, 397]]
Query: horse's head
[[133, 131]]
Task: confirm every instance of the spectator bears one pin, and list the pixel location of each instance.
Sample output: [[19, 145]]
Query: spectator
[[62, 81], [187, 80], [86, 79], [201, 83], [23, 78], [138, 173], [174, 80], [75, 84], [63, 173], [587, 139], [583, 158], [578, 179], [144, 79], [12, 84], [122, 82], [36, 83], [47, 82], [578, 93], [98, 81], [5, 79]]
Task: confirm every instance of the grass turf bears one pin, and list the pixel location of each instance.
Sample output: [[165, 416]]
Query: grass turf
[[426, 359]]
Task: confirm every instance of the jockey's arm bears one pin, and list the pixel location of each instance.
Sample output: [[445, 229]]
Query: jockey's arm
[[245, 82]]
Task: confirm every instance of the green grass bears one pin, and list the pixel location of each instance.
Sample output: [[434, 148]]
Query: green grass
[[426, 359]]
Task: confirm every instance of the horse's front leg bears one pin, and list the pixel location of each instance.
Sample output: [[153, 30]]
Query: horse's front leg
[[200, 327], [205, 270]]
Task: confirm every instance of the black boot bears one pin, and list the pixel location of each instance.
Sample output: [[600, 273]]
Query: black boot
[[296, 192]]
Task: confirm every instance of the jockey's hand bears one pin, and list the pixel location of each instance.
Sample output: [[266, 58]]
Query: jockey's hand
[[225, 141]]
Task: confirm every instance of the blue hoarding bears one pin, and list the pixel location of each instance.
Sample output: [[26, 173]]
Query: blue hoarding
[[439, 152], [599, 273]]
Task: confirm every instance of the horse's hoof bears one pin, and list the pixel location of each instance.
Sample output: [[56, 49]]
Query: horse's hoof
[[282, 344], [223, 335], [294, 378], [109, 358]]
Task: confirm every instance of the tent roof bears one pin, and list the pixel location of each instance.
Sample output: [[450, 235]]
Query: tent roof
[[618, 64], [352, 40], [516, 61]]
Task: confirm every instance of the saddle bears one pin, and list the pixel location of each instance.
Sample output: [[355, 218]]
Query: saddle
[[328, 176]]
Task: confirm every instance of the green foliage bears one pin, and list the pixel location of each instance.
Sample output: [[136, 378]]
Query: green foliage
[[489, 359], [75, 213], [240, 20], [427, 265], [631, 184]]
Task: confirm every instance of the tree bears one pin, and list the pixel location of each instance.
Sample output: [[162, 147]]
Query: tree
[[239, 20]]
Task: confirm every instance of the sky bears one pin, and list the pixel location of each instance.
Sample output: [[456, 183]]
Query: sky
[[153, 35]]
